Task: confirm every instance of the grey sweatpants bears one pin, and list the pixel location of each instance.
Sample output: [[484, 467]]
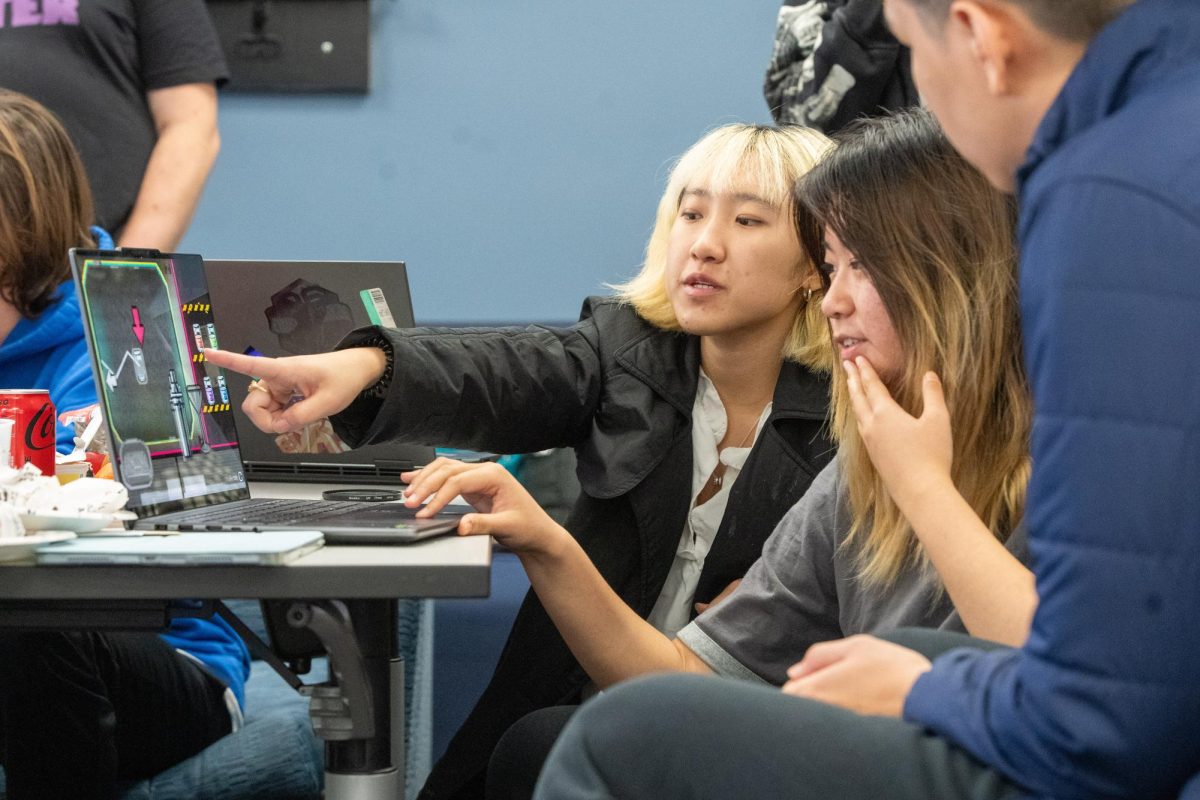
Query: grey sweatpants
[[686, 736]]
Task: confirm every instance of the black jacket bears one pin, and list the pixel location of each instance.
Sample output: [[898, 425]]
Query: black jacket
[[619, 391], [835, 61]]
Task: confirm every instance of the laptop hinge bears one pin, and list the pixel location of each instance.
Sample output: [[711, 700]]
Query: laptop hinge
[[395, 464]]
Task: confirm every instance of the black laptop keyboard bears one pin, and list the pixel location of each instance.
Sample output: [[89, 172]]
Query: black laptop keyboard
[[277, 512]]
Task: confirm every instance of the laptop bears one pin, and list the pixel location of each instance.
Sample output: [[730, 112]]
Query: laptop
[[271, 548], [286, 308], [169, 414]]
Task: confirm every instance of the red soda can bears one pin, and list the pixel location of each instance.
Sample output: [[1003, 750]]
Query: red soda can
[[34, 428]]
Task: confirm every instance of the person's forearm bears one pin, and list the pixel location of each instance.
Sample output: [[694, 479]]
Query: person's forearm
[[171, 187], [992, 591], [610, 641]]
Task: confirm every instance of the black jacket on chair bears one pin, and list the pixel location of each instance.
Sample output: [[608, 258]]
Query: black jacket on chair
[[620, 392]]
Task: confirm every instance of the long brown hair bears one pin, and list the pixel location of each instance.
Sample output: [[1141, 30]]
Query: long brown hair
[[45, 203], [939, 245]]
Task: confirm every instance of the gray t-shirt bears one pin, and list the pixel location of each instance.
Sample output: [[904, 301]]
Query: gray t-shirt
[[803, 590]]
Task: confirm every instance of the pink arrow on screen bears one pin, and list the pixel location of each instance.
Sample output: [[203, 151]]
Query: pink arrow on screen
[[138, 329]]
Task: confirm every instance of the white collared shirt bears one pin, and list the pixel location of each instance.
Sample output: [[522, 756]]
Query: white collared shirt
[[673, 608]]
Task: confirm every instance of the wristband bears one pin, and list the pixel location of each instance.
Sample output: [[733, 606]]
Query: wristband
[[379, 389]]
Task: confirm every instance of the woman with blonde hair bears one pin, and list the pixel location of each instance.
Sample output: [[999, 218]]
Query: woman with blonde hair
[[917, 254], [695, 399]]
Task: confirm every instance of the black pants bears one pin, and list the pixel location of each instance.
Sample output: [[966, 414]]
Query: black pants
[[522, 751], [687, 736], [81, 711], [519, 755]]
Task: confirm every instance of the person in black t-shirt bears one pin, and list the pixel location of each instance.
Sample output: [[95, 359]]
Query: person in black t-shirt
[[134, 82]]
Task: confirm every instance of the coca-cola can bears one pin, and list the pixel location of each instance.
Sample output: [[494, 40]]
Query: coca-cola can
[[34, 428], [6, 437]]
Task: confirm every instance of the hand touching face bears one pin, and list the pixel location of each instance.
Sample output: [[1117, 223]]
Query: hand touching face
[[913, 455]]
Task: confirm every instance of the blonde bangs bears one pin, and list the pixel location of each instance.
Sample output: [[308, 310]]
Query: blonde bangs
[[738, 159]]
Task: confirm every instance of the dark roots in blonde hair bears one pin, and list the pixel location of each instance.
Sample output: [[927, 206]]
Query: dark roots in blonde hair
[[1073, 20], [938, 244], [45, 203], [914, 212]]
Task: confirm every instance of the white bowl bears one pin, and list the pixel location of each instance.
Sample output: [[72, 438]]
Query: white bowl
[[79, 523]]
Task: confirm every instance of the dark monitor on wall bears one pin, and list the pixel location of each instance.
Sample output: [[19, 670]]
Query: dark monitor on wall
[[295, 45]]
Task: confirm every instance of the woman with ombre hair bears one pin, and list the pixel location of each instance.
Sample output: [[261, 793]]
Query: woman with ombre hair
[[942, 287]]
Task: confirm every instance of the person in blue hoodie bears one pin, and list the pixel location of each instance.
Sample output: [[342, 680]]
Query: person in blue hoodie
[[46, 350], [81, 711], [1089, 111]]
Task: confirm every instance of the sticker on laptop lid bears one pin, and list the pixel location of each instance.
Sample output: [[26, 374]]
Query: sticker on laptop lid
[[377, 307]]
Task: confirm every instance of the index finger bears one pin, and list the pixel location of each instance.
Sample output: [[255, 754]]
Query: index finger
[[858, 398], [464, 479], [876, 392], [251, 366]]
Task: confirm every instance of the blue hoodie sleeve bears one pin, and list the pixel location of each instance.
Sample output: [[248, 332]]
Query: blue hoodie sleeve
[[74, 388], [1103, 700]]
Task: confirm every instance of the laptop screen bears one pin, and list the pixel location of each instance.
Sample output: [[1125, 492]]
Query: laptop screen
[[287, 308], [170, 424]]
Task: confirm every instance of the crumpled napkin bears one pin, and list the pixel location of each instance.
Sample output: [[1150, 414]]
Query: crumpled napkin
[[10, 522], [27, 491]]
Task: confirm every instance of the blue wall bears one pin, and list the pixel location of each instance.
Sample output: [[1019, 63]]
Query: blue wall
[[511, 152]]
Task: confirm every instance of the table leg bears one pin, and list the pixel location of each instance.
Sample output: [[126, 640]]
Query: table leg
[[373, 768]]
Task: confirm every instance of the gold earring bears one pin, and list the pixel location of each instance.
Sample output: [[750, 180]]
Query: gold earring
[[808, 293]]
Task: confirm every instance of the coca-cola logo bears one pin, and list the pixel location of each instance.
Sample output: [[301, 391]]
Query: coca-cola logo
[[41, 427]]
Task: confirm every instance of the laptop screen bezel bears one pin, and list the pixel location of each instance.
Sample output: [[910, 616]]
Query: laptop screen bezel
[[77, 256]]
